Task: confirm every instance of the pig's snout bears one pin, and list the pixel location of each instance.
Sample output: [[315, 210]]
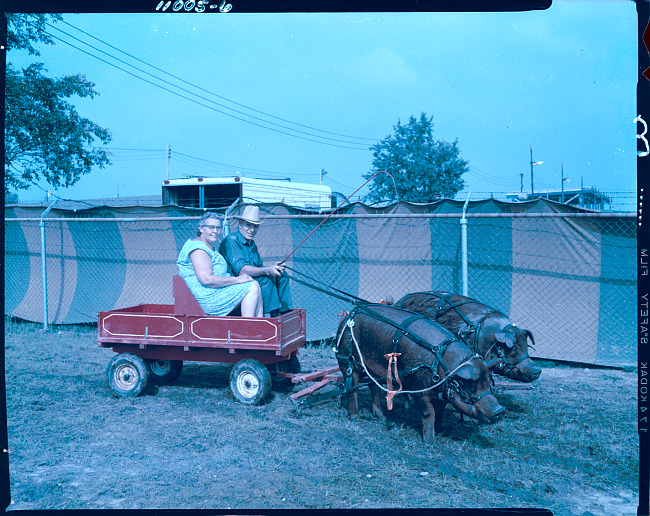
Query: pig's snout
[[527, 371], [535, 372], [524, 371], [490, 411], [499, 412]]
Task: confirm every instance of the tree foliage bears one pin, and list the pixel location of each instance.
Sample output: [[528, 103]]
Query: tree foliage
[[10, 197], [423, 169], [24, 29], [45, 137]]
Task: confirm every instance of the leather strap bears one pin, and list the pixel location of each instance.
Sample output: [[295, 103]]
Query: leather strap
[[392, 369]]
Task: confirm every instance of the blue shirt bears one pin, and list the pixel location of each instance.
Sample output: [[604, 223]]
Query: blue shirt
[[239, 252]]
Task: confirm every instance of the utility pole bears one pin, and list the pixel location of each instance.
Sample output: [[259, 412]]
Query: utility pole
[[563, 180], [532, 164], [169, 155], [323, 173], [521, 183], [532, 184]]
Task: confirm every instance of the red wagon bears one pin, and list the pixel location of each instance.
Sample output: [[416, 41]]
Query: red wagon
[[153, 341]]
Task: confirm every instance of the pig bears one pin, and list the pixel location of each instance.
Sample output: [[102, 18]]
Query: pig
[[486, 331], [432, 365]]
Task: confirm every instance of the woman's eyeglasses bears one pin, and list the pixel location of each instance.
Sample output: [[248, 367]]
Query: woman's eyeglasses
[[212, 228]]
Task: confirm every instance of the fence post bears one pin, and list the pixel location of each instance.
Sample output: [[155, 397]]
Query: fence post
[[43, 262], [463, 248], [226, 227]]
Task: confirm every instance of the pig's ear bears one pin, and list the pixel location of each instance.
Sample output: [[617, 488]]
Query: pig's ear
[[505, 337], [468, 372], [529, 334]]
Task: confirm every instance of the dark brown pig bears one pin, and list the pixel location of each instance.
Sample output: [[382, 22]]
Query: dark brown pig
[[433, 366], [486, 331]]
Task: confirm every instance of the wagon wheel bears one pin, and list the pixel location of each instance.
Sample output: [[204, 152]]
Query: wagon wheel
[[286, 366], [128, 375], [165, 371], [250, 382]]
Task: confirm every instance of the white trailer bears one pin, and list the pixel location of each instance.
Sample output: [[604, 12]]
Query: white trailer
[[219, 192]]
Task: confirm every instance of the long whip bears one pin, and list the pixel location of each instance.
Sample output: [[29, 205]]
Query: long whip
[[333, 212]]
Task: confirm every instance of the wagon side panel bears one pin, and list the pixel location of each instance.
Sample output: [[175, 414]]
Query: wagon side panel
[[144, 325]]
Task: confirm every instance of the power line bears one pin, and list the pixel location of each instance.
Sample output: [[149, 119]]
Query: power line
[[355, 145], [212, 93], [49, 192], [204, 163], [140, 150], [329, 179], [236, 168], [489, 178]]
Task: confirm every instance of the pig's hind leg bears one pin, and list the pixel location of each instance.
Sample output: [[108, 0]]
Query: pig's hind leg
[[438, 407]]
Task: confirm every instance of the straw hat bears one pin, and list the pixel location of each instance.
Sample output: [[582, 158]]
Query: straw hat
[[251, 214]]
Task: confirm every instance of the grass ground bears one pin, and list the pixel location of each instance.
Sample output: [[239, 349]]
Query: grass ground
[[568, 444]]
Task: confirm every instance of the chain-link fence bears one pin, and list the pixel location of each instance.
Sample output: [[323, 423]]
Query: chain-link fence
[[569, 278]]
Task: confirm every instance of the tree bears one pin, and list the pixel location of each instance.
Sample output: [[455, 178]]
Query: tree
[[423, 169], [45, 137], [11, 197]]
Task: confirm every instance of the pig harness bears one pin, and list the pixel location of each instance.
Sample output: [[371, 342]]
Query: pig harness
[[452, 384]]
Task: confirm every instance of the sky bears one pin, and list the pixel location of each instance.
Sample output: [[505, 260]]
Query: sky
[[288, 95]]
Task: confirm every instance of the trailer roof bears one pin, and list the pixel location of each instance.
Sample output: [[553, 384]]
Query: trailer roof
[[191, 181]]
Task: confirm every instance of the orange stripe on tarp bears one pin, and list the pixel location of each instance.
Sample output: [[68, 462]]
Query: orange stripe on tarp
[[550, 305], [61, 271], [150, 254], [30, 307], [16, 265], [394, 258]]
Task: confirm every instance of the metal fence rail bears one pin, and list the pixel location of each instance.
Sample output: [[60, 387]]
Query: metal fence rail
[[569, 278]]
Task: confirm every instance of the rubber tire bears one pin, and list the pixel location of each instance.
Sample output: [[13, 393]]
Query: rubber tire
[[250, 382], [164, 371], [287, 366], [128, 375]]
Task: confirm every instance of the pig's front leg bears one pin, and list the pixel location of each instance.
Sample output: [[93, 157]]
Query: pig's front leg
[[376, 401]]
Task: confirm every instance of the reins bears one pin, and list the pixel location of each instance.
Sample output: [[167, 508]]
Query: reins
[[401, 330], [344, 296], [339, 207], [448, 374], [444, 304]]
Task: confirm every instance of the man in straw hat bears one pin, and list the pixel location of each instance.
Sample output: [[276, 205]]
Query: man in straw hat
[[242, 256]]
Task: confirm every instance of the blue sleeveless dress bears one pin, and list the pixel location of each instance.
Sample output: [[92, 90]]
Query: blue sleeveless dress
[[214, 301]]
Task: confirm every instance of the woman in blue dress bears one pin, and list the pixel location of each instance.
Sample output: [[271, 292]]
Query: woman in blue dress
[[205, 272]]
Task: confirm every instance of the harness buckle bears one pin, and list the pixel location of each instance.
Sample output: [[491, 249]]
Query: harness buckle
[[506, 364], [348, 384]]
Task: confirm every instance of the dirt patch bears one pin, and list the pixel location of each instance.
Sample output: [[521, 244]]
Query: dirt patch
[[568, 444]]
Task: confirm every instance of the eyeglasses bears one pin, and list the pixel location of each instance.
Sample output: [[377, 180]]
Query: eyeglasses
[[212, 228]]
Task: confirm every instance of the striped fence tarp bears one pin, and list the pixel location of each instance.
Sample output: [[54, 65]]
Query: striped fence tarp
[[568, 277]]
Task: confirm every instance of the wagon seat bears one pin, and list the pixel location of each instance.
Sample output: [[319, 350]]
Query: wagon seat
[[186, 304]]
